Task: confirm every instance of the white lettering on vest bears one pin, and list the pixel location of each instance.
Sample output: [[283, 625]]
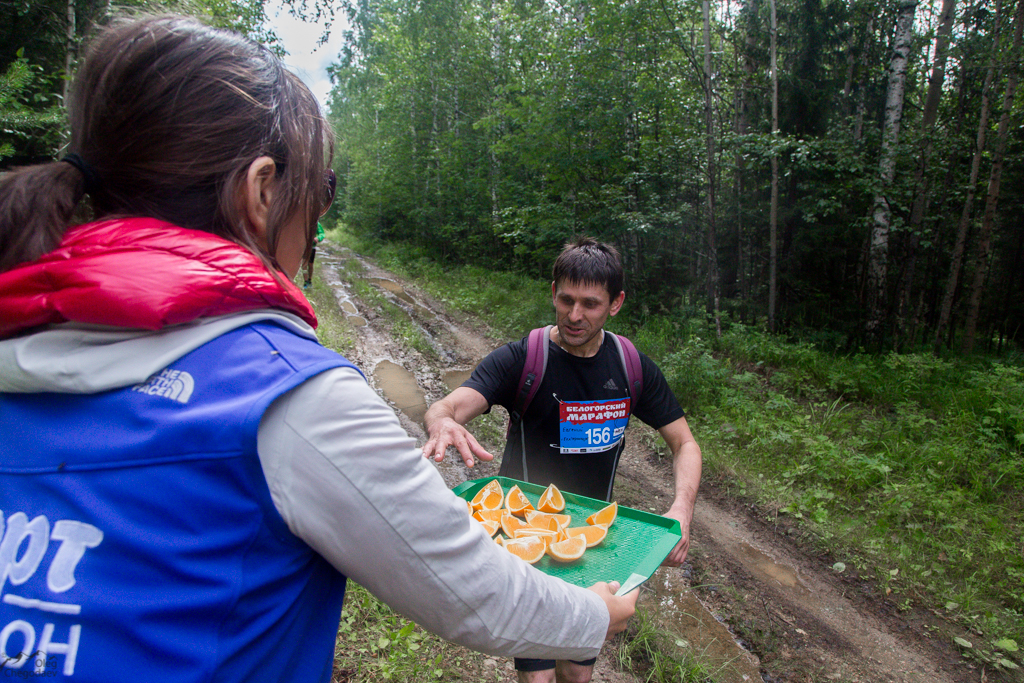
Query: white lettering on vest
[[19, 529], [176, 385], [75, 537], [68, 649], [27, 633]]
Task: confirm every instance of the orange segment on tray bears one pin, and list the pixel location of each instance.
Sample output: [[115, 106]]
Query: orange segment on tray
[[593, 534], [529, 549], [516, 501], [491, 526], [542, 520], [551, 500], [483, 515], [510, 524], [489, 497], [605, 515], [547, 536], [568, 550]]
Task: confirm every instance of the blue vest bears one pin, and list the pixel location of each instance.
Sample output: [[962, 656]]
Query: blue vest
[[139, 539]]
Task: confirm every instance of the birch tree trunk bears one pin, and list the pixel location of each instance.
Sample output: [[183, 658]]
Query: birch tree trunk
[[878, 256], [69, 48], [995, 177]]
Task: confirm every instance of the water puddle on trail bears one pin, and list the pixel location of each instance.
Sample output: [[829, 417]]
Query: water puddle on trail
[[352, 313], [767, 567], [399, 291], [341, 295], [400, 387], [453, 379], [698, 633]]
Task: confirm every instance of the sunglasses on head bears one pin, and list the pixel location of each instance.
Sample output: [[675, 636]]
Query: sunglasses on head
[[331, 182]]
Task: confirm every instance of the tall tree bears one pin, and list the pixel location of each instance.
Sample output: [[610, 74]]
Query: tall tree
[[995, 177], [921, 178], [878, 259], [773, 263], [963, 226], [709, 124]]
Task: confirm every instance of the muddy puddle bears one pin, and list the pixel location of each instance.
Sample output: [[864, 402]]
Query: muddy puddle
[[341, 295], [453, 379], [352, 313], [400, 387], [769, 569], [698, 632]]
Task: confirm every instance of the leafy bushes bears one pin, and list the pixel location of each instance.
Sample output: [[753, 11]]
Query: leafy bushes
[[916, 462]]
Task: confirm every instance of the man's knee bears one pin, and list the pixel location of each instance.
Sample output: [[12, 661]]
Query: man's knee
[[542, 676], [571, 672]]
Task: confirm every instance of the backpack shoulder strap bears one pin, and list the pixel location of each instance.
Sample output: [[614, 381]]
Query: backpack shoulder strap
[[533, 370], [631, 362]]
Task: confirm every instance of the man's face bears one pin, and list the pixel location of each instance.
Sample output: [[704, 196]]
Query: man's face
[[581, 311]]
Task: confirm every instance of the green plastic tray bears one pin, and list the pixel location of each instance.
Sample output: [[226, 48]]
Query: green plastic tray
[[635, 545]]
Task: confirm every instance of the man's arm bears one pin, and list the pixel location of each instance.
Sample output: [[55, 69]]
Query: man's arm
[[686, 467], [446, 420]]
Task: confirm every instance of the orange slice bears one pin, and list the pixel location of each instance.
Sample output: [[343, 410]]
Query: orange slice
[[488, 515], [568, 550], [542, 522], [533, 517], [491, 526], [470, 506], [593, 534], [510, 524], [516, 501], [528, 549], [551, 500], [489, 497], [548, 537], [605, 515]]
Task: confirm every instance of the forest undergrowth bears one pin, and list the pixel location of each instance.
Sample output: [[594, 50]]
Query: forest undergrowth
[[905, 467]]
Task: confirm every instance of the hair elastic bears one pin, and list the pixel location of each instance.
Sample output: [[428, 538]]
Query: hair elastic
[[92, 179]]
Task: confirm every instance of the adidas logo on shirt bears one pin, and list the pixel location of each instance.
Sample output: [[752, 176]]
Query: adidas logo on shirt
[[610, 385]]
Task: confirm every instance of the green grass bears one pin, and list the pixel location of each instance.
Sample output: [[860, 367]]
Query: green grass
[[908, 468], [654, 655], [333, 331], [375, 644]]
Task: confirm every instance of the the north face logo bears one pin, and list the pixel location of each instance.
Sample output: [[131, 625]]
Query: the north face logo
[[176, 385], [610, 385]]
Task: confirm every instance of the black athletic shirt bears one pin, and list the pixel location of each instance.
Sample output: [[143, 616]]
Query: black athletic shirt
[[573, 428]]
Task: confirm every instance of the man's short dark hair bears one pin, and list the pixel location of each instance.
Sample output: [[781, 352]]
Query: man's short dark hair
[[586, 261]]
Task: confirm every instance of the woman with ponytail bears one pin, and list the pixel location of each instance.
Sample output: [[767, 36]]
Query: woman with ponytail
[[186, 475]]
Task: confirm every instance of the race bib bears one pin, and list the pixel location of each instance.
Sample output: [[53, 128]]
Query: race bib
[[591, 426]]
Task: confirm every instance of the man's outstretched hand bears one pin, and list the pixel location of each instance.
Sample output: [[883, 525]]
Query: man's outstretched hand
[[447, 432]]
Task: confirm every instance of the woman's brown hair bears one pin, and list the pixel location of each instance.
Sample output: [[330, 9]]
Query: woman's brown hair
[[167, 114]]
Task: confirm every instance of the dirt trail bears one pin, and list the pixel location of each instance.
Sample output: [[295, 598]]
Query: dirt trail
[[751, 600]]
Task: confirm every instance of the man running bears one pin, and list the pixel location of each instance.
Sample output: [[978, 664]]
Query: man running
[[560, 438]]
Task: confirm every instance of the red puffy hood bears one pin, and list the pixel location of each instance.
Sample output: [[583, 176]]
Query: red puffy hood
[[141, 273]]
